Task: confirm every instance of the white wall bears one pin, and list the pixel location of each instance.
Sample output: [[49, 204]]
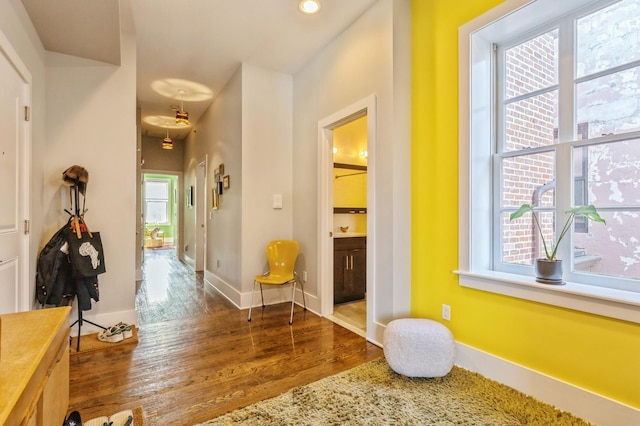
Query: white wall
[[91, 113], [359, 63], [218, 136], [17, 28], [248, 129], [266, 166], [157, 158]]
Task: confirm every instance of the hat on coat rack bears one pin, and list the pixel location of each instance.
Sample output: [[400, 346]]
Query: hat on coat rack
[[76, 175]]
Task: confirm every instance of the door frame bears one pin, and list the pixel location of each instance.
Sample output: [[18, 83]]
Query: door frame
[[25, 289], [200, 231], [366, 106], [177, 196]]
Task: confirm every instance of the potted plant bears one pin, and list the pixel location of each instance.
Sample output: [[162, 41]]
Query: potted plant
[[549, 269]]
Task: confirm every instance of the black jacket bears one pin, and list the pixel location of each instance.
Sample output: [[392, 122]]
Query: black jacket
[[54, 281]]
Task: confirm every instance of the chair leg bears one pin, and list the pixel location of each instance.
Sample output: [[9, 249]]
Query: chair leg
[[261, 295], [251, 304], [304, 302], [293, 300]]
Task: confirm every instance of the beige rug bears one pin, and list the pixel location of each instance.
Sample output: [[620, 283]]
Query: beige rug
[[373, 394], [119, 418]]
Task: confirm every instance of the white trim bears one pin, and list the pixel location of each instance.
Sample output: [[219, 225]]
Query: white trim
[[366, 106], [583, 403], [612, 303], [129, 316], [476, 112], [24, 293], [272, 294]]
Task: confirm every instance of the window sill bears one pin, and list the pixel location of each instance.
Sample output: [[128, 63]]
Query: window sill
[[612, 303]]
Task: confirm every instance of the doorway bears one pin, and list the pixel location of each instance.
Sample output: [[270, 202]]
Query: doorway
[[201, 213], [350, 152], [347, 240], [160, 211]]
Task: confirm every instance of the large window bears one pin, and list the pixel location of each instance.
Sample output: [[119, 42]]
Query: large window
[[553, 120], [157, 201], [545, 147]]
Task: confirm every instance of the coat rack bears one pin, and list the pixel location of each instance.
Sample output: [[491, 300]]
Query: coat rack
[[78, 214]]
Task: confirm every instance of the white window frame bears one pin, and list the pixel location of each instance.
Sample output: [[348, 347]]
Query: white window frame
[[477, 133], [167, 182]]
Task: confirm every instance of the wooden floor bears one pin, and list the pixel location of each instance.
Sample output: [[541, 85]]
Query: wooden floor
[[198, 356], [354, 313]]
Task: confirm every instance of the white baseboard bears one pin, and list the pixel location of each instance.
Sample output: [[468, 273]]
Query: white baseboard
[[189, 261], [587, 405], [272, 294], [105, 320]]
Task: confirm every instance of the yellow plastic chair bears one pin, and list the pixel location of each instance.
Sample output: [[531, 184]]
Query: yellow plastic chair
[[282, 256]]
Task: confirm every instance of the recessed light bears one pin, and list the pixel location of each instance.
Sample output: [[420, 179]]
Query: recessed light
[[309, 7]]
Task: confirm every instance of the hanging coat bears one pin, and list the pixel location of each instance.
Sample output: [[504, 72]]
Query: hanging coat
[[54, 276]]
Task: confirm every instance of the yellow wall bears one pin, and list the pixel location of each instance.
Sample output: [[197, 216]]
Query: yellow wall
[[592, 352]]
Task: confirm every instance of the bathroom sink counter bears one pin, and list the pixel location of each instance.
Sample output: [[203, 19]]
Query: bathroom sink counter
[[349, 234]]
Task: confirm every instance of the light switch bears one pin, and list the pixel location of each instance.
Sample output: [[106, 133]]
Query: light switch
[[277, 201]]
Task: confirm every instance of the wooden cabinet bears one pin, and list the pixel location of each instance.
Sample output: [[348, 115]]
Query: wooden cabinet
[[349, 269], [34, 367]]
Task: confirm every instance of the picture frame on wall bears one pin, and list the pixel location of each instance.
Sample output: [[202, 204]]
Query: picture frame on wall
[[226, 182]]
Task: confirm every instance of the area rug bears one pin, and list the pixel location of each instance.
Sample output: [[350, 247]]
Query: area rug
[[119, 418], [373, 394], [90, 343]]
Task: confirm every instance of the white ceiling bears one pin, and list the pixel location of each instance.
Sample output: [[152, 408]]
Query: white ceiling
[[195, 45]]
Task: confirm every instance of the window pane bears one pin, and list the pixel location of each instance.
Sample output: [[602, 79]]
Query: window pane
[[528, 179], [613, 173], [156, 190], [156, 212], [610, 104], [611, 249], [532, 65], [608, 37], [531, 122], [521, 241], [613, 180]]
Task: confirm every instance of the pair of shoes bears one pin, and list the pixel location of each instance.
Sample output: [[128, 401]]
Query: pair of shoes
[[73, 420], [126, 330], [112, 334], [116, 333]]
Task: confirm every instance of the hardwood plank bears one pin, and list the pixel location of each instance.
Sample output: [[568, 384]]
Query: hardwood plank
[[198, 357]]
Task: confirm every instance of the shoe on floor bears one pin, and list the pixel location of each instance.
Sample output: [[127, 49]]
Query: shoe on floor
[[73, 419], [126, 330], [111, 335]]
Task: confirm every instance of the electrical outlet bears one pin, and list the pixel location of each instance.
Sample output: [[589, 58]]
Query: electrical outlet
[[304, 276], [446, 312], [217, 263]]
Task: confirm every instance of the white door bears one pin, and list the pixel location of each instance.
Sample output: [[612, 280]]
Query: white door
[[14, 285], [201, 215]]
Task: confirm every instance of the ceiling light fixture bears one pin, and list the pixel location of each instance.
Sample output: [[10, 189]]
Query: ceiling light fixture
[[182, 116], [309, 7], [167, 143]]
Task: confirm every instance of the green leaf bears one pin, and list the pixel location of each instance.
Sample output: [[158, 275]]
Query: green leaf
[[588, 211], [525, 208]]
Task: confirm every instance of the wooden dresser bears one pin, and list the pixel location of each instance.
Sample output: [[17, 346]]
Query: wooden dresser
[[34, 367]]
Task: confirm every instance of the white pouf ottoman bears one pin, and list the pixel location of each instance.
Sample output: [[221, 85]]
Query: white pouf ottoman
[[417, 347]]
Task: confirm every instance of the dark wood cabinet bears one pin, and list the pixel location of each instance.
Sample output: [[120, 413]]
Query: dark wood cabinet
[[349, 269]]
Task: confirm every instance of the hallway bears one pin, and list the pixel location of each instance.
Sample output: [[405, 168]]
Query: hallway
[[198, 356]]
